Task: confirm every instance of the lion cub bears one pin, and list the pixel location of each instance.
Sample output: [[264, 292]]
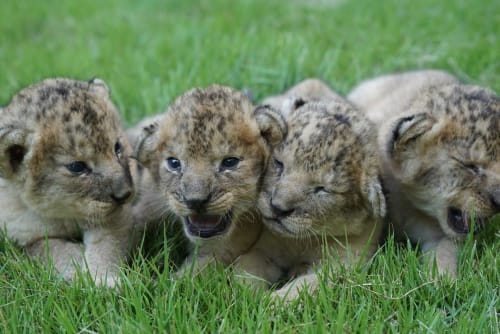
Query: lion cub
[[207, 155], [441, 153], [321, 198], [64, 176]]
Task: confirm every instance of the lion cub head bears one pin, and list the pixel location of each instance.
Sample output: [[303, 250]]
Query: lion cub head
[[325, 174], [208, 154], [63, 151], [445, 152]]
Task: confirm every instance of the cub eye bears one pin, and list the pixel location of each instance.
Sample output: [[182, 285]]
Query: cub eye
[[321, 190], [229, 163], [118, 148], [470, 166], [473, 168], [173, 164], [279, 166], [77, 167]]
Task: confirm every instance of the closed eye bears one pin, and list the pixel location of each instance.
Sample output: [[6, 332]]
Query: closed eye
[[469, 165], [473, 168], [321, 191]]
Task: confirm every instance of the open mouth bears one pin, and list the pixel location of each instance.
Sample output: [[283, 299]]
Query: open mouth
[[461, 222], [207, 226]]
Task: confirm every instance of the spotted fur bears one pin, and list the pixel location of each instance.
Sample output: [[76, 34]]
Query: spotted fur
[[442, 164], [65, 177], [321, 194], [383, 95], [207, 155]]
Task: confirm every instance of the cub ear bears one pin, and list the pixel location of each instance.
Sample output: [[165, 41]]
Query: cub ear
[[13, 148], [271, 123], [406, 132], [373, 192], [145, 145], [99, 86]]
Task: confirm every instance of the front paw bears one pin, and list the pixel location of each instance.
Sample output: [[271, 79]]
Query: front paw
[[194, 267], [253, 282], [445, 256], [286, 295], [444, 269], [108, 281]]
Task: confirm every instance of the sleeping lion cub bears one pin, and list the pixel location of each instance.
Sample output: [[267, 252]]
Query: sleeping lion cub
[[440, 144], [321, 198]]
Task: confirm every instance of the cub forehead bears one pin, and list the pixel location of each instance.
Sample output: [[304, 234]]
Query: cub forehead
[[322, 135], [469, 114], [65, 99], [462, 103], [69, 113], [210, 119], [325, 114]]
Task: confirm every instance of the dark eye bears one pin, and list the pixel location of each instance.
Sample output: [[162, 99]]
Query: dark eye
[[77, 167], [470, 166], [173, 164], [118, 148], [229, 163], [279, 166]]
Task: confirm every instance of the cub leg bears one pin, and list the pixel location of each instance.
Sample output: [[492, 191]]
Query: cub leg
[[290, 291], [257, 270], [105, 248], [445, 253], [195, 264], [64, 254]]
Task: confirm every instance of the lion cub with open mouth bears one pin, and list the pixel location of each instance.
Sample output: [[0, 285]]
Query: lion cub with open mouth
[[207, 155], [321, 198], [440, 144]]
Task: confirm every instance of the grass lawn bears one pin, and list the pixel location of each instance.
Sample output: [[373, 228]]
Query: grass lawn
[[151, 51]]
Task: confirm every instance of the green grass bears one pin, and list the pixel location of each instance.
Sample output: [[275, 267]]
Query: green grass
[[151, 51]]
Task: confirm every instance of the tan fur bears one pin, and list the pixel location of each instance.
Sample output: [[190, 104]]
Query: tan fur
[[64, 177], [321, 200], [311, 89], [207, 155], [441, 161], [382, 96], [135, 132]]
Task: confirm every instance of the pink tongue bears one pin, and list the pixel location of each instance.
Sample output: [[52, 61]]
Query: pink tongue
[[205, 221]]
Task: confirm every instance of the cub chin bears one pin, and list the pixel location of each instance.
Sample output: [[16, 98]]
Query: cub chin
[[65, 179], [441, 155], [207, 155], [322, 198]]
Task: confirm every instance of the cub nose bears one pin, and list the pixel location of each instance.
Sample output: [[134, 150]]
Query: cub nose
[[196, 203], [121, 190], [121, 197], [280, 210]]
